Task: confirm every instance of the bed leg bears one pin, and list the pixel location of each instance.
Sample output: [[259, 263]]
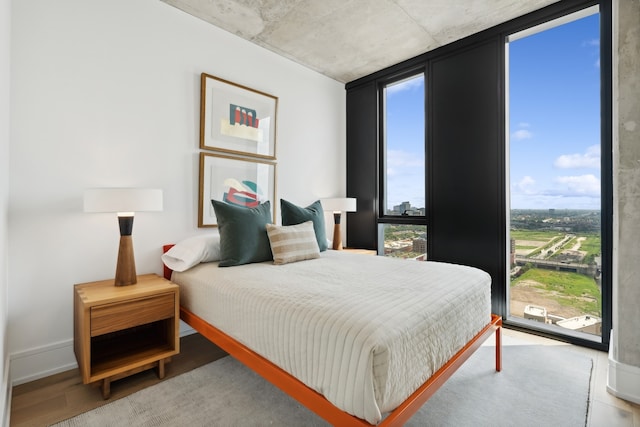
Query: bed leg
[[499, 349]]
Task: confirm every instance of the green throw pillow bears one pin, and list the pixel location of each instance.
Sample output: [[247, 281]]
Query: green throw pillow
[[293, 215], [243, 233]]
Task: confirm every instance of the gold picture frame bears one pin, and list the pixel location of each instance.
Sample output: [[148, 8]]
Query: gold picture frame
[[237, 119], [240, 181]]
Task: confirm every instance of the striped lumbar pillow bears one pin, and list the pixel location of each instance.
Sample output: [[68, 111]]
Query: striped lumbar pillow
[[291, 243]]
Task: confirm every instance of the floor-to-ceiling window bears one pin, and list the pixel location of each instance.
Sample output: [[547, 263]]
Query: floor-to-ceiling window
[[555, 174], [402, 212], [514, 148]]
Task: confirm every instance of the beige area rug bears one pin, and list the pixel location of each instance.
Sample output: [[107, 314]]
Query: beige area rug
[[539, 386]]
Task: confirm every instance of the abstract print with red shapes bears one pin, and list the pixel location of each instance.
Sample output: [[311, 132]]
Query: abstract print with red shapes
[[243, 116], [245, 193]]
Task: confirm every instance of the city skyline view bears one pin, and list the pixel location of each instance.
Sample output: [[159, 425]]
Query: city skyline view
[[553, 130]]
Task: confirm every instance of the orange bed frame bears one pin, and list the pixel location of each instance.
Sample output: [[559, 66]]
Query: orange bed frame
[[317, 403]]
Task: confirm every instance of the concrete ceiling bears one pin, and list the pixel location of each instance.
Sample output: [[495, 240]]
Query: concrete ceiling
[[349, 39]]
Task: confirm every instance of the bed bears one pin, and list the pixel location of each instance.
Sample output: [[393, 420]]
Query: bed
[[357, 339]]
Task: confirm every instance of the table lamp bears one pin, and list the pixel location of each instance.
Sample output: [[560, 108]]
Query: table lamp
[[124, 201], [337, 206]]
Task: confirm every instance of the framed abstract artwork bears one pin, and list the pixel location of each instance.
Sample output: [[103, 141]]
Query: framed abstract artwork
[[239, 181], [237, 119]]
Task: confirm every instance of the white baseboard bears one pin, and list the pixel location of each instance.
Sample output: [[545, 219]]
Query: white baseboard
[[623, 380], [51, 359], [42, 361]]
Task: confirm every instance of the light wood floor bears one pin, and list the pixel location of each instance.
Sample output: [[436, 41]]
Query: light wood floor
[[605, 410], [61, 396]]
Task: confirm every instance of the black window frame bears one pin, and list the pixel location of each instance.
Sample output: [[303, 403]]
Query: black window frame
[[606, 172], [382, 216], [364, 155]]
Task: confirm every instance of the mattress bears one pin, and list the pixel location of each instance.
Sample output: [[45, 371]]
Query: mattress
[[364, 331]]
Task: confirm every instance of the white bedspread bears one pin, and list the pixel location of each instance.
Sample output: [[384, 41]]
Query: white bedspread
[[364, 331]]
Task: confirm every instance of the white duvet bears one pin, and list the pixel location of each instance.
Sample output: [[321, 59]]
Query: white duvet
[[364, 331]]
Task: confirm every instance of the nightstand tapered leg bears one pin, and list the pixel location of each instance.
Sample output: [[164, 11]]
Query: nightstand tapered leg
[[161, 368], [106, 388]]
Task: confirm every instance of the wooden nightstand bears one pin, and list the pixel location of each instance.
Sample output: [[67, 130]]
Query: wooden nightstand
[[123, 330], [361, 251]]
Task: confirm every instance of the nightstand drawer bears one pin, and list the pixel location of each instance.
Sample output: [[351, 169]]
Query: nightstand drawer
[[122, 315]]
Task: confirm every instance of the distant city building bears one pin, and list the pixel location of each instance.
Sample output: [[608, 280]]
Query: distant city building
[[402, 208], [584, 323], [535, 312], [419, 245], [405, 209], [414, 212], [512, 252]]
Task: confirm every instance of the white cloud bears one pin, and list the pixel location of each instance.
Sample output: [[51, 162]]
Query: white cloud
[[521, 134], [527, 181], [402, 159], [403, 85], [575, 192], [589, 159], [405, 178], [583, 185], [595, 44], [525, 186]]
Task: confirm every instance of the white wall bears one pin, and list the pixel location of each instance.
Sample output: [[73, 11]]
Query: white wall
[[5, 37], [106, 93]]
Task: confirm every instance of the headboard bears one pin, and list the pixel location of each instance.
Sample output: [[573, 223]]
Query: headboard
[[167, 270]]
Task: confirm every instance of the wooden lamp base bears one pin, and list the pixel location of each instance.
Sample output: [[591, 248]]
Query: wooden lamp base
[[337, 238], [337, 234], [126, 267]]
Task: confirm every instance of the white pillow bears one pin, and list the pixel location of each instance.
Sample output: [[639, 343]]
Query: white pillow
[[290, 243], [192, 251]]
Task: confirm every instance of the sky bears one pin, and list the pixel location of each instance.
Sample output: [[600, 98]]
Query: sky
[[554, 123], [405, 143]]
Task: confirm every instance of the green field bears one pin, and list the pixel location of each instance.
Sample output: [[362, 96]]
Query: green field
[[591, 244], [569, 244], [569, 289], [393, 232], [525, 247], [541, 235]]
